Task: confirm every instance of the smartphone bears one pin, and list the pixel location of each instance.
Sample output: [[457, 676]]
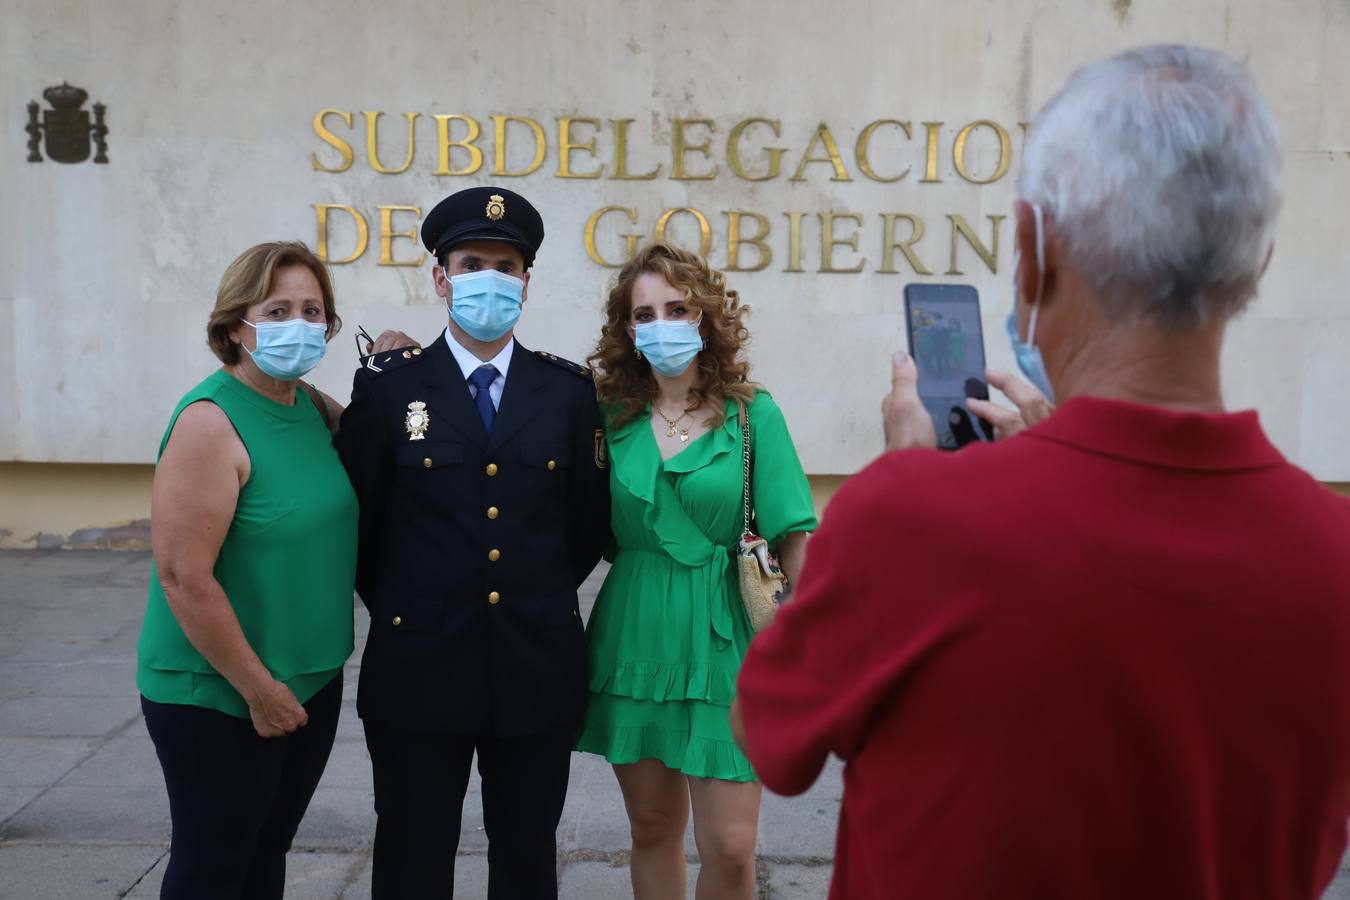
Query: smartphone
[[947, 343]]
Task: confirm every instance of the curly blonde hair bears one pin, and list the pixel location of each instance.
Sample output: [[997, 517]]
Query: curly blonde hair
[[625, 382]]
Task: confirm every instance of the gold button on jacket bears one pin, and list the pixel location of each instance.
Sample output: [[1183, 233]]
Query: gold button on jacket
[[494, 554], [491, 469], [398, 620], [552, 464], [492, 512], [494, 598]]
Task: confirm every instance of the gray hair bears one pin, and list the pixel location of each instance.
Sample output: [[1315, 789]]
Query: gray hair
[[1161, 168]]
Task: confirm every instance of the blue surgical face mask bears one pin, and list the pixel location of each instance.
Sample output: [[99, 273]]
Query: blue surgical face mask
[[485, 304], [669, 345], [1026, 352], [288, 350]]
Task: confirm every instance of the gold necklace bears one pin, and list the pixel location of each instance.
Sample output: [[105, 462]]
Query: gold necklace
[[672, 423]]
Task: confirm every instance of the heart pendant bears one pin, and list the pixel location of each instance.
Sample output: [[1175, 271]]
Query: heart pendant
[[684, 437]]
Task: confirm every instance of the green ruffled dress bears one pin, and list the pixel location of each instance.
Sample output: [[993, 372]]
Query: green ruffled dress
[[668, 632]]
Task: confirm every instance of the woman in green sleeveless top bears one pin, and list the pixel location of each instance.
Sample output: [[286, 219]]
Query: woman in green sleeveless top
[[249, 616], [668, 632]]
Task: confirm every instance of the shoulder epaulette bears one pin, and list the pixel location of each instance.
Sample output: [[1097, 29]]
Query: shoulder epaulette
[[383, 363], [574, 368]]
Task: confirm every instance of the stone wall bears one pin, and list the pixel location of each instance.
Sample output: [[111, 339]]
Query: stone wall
[[218, 138]]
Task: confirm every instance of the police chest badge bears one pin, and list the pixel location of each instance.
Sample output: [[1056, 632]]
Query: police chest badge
[[601, 450], [417, 420]]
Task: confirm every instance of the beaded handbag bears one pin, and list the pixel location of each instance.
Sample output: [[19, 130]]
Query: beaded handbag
[[763, 584]]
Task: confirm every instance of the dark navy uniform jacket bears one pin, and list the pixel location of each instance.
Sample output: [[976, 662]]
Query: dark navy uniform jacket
[[472, 545]]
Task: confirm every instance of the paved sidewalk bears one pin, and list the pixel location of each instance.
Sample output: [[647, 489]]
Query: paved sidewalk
[[83, 813]]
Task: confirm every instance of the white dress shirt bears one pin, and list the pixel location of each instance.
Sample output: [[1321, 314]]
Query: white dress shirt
[[468, 363]]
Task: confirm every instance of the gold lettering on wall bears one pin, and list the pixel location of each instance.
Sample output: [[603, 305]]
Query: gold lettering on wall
[[704, 229], [468, 143], [372, 142], [499, 156], [864, 164], [680, 146], [734, 156], [828, 241], [387, 235], [566, 145], [989, 255], [735, 239], [589, 237], [822, 136], [889, 244], [1004, 152], [362, 232], [795, 241], [930, 171], [621, 154], [321, 130], [886, 151]]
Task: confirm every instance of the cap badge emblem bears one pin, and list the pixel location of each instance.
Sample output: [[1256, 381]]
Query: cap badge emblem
[[496, 207], [417, 420]]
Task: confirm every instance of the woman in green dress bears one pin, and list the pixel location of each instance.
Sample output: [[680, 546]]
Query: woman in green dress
[[668, 632]]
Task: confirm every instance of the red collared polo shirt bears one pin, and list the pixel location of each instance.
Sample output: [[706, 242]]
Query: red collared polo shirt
[[1107, 658]]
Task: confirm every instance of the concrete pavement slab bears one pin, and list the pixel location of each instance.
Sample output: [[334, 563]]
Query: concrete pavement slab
[[317, 875], [86, 677], [348, 765], [91, 814], [15, 798], [72, 872], [602, 879], [127, 759], [803, 826], [44, 716], [796, 882], [338, 819], [39, 760]]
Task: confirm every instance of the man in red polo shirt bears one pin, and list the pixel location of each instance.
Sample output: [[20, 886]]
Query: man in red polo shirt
[[1108, 657]]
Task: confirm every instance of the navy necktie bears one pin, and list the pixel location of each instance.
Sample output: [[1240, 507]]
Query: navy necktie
[[480, 378]]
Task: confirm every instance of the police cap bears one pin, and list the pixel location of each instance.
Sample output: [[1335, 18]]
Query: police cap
[[483, 214]]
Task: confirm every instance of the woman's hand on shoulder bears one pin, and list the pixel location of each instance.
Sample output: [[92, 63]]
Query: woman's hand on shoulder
[[390, 340]]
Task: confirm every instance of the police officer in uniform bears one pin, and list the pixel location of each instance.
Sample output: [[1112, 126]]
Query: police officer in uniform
[[480, 470]]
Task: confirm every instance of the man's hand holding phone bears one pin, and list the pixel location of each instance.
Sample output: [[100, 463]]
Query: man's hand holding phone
[[904, 418], [907, 423]]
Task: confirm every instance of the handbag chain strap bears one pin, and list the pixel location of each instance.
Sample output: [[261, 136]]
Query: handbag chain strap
[[745, 456]]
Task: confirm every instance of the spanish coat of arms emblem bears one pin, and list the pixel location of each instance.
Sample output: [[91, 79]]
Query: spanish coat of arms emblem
[[67, 127]]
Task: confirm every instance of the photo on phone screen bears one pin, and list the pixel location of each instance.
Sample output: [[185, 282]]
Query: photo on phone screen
[[947, 343]]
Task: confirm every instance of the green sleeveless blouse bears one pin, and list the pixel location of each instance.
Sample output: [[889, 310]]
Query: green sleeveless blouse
[[288, 562]]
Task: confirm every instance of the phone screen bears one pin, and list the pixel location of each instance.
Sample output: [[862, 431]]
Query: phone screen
[[947, 344]]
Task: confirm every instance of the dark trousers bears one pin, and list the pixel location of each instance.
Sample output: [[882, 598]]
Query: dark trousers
[[236, 799], [420, 780]]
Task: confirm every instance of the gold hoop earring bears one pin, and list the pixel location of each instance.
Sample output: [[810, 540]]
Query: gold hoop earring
[[637, 353]]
